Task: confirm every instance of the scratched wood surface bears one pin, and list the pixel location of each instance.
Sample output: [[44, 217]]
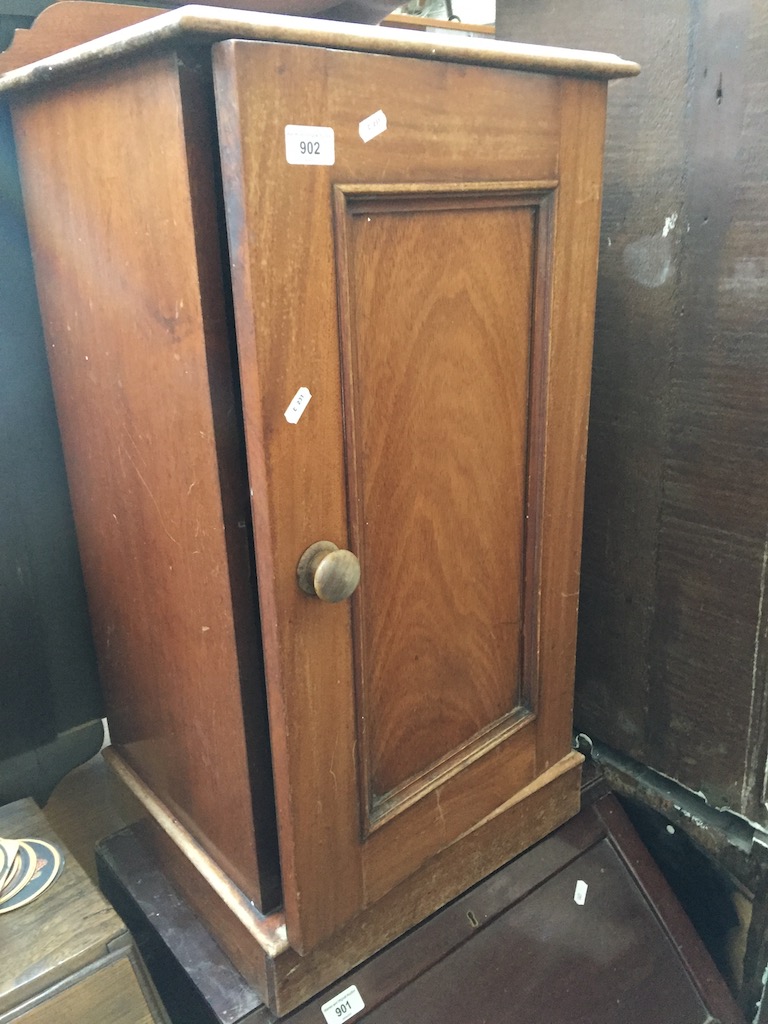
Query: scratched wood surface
[[673, 650], [401, 433], [127, 260]]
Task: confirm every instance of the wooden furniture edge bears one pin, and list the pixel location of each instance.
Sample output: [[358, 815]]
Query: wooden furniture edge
[[199, 24], [22, 818], [422, 24], [284, 978], [668, 911], [528, 817], [479, 906], [268, 931], [89, 972], [67, 24]]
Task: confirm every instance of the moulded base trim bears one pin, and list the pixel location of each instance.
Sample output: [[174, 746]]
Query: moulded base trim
[[258, 945]]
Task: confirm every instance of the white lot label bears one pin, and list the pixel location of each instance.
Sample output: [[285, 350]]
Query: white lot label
[[373, 126], [580, 895], [343, 1006], [309, 144], [299, 403]]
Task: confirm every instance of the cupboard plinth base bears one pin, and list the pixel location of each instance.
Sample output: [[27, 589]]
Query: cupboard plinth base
[[257, 945], [529, 951]]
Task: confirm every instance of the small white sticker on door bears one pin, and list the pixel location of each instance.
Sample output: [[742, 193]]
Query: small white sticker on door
[[343, 1006], [580, 895], [299, 403], [373, 126], [309, 144]]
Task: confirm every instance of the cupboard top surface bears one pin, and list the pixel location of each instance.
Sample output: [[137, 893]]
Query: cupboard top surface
[[196, 25]]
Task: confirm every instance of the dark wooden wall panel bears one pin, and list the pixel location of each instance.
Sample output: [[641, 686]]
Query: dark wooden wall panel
[[713, 518], [672, 649], [48, 681]]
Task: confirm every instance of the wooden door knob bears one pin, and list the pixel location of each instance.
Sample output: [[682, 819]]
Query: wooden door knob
[[328, 572]]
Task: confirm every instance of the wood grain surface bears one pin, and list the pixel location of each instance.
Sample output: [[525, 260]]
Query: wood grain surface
[[67, 24], [194, 25], [369, 446], [67, 928], [436, 414], [127, 261], [574, 274], [110, 993], [673, 649]]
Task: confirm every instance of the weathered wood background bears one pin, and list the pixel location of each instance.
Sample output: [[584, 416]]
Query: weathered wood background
[[672, 651]]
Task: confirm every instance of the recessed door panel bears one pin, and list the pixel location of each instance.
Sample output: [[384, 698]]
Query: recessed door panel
[[436, 359]]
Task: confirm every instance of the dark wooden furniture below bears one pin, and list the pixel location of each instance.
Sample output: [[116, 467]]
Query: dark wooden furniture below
[[516, 948], [67, 958]]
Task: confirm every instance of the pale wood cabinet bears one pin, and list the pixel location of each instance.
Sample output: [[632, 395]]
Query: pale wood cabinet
[[268, 327]]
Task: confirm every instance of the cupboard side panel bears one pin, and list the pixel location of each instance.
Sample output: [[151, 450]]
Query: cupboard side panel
[[574, 273], [134, 353]]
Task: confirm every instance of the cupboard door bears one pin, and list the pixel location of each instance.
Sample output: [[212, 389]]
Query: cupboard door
[[398, 314]]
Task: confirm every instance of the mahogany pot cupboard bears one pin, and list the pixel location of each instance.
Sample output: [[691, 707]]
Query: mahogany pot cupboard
[[318, 304]]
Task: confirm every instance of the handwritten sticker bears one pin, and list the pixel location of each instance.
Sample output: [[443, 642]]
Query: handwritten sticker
[[299, 403], [580, 896], [309, 144], [343, 1006], [373, 126]]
